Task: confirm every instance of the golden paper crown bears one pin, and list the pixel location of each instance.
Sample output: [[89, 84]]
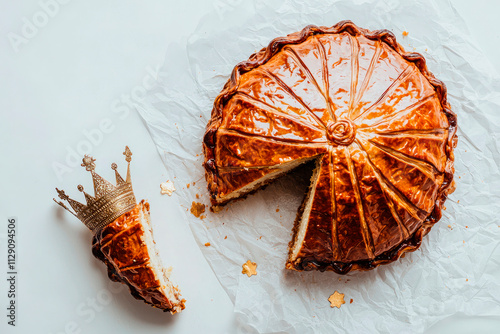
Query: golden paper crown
[[109, 201]]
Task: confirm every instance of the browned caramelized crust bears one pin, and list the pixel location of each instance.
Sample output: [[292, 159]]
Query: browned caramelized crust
[[371, 115], [123, 246]]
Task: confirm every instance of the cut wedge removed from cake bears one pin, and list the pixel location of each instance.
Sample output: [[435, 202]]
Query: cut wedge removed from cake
[[373, 118], [129, 251], [123, 237]]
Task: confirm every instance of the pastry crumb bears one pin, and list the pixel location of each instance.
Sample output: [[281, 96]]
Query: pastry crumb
[[225, 237], [216, 209], [188, 185], [466, 279], [336, 299], [167, 188], [350, 302], [197, 209], [249, 268], [449, 226], [207, 244], [203, 216], [405, 33]]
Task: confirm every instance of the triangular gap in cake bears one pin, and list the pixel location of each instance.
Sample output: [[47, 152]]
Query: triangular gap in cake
[[303, 215], [229, 184]]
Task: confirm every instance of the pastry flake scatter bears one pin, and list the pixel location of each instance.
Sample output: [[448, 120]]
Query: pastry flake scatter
[[336, 299], [207, 244], [249, 268], [216, 208], [167, 188], [197, 209]]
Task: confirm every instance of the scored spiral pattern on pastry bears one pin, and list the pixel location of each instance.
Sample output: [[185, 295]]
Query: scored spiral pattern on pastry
[[373, 116]]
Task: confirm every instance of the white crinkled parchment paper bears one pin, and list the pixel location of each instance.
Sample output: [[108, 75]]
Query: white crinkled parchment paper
[[456, 271]]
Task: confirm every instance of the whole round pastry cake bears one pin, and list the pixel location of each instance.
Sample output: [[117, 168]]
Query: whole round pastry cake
[[374, 120]]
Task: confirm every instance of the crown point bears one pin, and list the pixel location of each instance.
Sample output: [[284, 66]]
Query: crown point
[[80, 188], [114, 166], [127, 154], [62, 194], [88, 163]]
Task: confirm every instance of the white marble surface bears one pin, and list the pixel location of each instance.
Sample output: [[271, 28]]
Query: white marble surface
[[68, 86]]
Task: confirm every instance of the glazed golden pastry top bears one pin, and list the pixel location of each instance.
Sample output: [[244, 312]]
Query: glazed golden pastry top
[[375, 117]]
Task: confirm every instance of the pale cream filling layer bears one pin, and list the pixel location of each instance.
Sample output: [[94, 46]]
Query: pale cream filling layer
[[304, 220], [156, 264]]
